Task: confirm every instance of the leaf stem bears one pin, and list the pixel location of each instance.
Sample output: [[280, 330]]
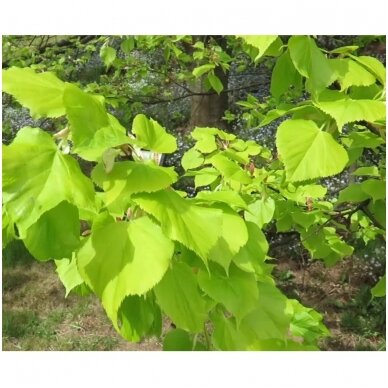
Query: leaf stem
[[206, 336]]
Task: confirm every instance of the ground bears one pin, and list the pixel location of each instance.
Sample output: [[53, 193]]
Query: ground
[[37, 316]]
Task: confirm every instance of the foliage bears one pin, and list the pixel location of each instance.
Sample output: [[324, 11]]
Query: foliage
[[149, 249]]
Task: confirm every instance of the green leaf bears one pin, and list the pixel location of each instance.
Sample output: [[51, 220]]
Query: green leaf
[[178, 296], [229, 169], [108, 55], [379, 290], [302, 192], [307, 152], [310, 62], [200, 70], [350, 73], [225, 335], [55, 234], [196, 227], [325, 244], [8, 229], [127, 178], [234, 235], [373, 65], [153, 135], [215, 82], [121, 259], [261, 211], [192, 159], [177, 340], [369, 171], [228, 197], [251, 256], [306, 323], [37, 177], [261, 42], [345, 110], [352, 193], [364, 139], [68, 274], [41, 93], [93, 131], [238, 292], [138, 316], [284, 75], [375, 188], [270, 319]]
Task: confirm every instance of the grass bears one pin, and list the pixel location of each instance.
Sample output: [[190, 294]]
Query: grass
[[37, 316]]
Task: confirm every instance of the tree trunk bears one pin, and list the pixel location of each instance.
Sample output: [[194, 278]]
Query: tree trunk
[[207, 110]]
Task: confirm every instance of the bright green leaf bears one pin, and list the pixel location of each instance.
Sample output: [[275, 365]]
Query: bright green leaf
[[200, 70], [310, 62], [215, 82], [153, 135], [41, 93], [68, 274], [345, 110], [307, 152], [196, 227], [108, 55], [238, 292], [261, 211], [192, 159], [121, 259], [37, 177], [379, 290], [55, 234], [178, 296], [177, 340]]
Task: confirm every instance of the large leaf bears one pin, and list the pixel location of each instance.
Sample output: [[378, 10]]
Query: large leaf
[[373, 65], [307, 152], [178, 296], [92, 129], [310, 62], [350, 73], [37, 177], [153, 135], [121, 259], [238, 292], [284, 75], [41, 93], [251, 256], [229, 169], [270, 319], [55, 234], [127, 178], [234, 236], [139, 316], [346, 110], [196, 227]]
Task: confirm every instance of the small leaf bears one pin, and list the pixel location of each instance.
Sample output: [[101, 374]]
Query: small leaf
[[215, 82], [307, 152], [192, 159], [177, 340], [369, 171], [108, 55], [379, 290], [261, 42], [68, 274], [153, 135], [200, 70]]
